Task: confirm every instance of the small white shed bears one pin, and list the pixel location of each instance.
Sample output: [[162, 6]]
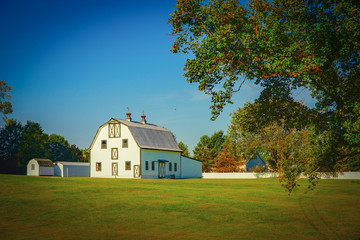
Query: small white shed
[[40, 167], [72, 169]]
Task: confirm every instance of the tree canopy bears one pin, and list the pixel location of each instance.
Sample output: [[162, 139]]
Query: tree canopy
[[280, 45], [208, 148], [185, 149], [19, 144]]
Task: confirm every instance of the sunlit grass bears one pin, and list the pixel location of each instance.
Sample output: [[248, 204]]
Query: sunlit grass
[[89, 208]]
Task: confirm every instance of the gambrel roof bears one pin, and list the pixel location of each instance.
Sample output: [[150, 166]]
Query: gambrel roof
[[44, 162], [149, 136]]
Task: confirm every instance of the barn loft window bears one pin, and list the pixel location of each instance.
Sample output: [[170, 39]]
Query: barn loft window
[[124, 143], [114, 130], [127, 165], [153, 166], [175, 167], [32, 166], [98, 166], [103, 144], [114, 154], [170, 166]]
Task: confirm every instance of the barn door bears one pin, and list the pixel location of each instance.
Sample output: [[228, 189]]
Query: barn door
[[114, 169], [161, 169], [136, 171]]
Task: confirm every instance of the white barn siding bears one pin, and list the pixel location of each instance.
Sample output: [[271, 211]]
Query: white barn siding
[[156, 155], [103, 156], [190, 168], [147, 144]]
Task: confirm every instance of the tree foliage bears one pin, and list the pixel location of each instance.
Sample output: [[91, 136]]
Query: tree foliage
[[10, 137], [19, 144], [5, 96], [280, 45], [208, 148], [32, 144], [288, 149], [58, 148], [226, 161], [185, 149]]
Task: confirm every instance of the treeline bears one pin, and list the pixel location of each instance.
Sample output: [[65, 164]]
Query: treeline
[[20, 143], [286, 138]]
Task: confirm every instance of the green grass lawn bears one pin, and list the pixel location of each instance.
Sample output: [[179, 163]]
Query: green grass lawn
[[87, 208]]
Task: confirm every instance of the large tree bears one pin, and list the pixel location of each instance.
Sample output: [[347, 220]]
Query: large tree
[[33, 144], [185, 149], [281, 45], [10, 137], [208, 148], [288, 147], [58, 148]]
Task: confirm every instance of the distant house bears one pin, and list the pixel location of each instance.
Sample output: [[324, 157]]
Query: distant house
[[129, 149], [40, 167], [72, 169], [256, 160]]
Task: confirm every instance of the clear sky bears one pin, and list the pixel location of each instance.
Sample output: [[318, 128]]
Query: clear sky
[[73, 65]]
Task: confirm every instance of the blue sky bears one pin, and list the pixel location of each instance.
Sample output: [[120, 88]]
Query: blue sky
[[73, 65]]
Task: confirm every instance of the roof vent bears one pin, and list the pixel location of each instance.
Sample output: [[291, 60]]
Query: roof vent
[[143, 118], [128, 114]]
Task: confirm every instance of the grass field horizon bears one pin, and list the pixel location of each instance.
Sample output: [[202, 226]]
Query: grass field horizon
[[95, 208]]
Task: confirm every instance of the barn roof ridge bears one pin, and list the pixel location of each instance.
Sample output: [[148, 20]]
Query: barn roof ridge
[[151, 136]]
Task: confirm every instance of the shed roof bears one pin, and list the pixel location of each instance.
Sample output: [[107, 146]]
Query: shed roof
[[44, 162], [149, 136]]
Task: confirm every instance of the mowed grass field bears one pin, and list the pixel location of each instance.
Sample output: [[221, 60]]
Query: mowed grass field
[[88, 208]]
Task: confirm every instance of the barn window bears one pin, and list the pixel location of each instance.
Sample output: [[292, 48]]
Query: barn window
[[127, 165], [114, 154], [98, 166], [124, 143], [153, 166], [103, 144], [175, 167], [114, 130], [32, 166], [146, 165], [170, 166]]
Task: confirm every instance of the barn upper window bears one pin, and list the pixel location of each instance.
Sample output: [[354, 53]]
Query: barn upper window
[[103, 144], [32, 166], [124, 143], [114, 130]]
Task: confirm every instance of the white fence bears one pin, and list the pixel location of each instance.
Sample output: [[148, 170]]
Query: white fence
[[250, 175]]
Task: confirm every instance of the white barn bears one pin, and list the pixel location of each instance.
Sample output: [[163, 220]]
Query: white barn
[[128, 149], [40, 167], [72, 169]]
